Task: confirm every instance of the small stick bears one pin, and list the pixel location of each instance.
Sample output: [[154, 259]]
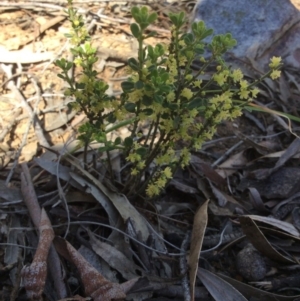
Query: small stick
[[183, 267]]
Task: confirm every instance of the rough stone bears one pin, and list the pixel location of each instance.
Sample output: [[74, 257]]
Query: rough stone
[[262, 28]]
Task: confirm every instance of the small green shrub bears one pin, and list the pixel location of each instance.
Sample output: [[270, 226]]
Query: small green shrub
[[163, 92]]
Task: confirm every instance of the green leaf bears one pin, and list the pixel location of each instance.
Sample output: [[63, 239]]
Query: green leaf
[[195, 103], [139, 85], [101, 137], [150, 51], [158, 98], [142, 151], [208, 33], [181, 16], [164, 76], [148, 87], [60, 63], [128, 142], [177, 19], [172, 106], [144, 24], [148, 111], [164, 88], [173, 18], [127, 86], [199, 49], [130, 107], [135, 30], [159, 50], [111, 118], [144, 11], [147, 100], [135, 11], [118, 140], [188, 38], [69, 65], [80, 86], [61, 76], [133, 64], [152, 17]]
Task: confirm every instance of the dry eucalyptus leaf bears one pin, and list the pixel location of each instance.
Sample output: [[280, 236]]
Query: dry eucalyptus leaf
[[199, 226], [115, 258], [252, 293], [281, 225], [218, 288], [260, 242]]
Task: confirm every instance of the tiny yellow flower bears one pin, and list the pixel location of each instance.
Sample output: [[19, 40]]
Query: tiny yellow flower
[[78, 61], [235, 113], [275, 74], [244, 94], [141, 165], [189, 77], [168, 173], [220, 78], [187, 93], [254, 92], [67, 92], [134, 172], [182, 61], [197, 83], [161, 183], [133, 157], [185, 157], [237, 75], [152, 190], [244, 84], [275, 62], [171, 96]]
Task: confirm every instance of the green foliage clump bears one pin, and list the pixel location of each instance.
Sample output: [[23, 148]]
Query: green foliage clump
[[162, 92]]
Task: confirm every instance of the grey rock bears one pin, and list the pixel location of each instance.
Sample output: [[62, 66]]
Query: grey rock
[[250, 264], [281, 184], [262, 28]]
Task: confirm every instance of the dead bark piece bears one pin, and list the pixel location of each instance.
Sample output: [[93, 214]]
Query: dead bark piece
[[34, 275], [95, 285]]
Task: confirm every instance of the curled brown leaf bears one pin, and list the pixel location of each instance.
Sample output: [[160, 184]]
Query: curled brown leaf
[[34, 275], [95, 285]]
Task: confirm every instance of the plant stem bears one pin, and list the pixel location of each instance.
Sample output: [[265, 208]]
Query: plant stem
[[154, 132]]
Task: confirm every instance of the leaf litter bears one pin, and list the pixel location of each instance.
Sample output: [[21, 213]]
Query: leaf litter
[[239, 197]]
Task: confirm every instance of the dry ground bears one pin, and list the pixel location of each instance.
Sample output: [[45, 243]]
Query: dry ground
[[31, 89]]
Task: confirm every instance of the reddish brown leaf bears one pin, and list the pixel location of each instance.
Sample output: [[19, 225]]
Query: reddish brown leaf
[[34, 276], [95, 285]]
